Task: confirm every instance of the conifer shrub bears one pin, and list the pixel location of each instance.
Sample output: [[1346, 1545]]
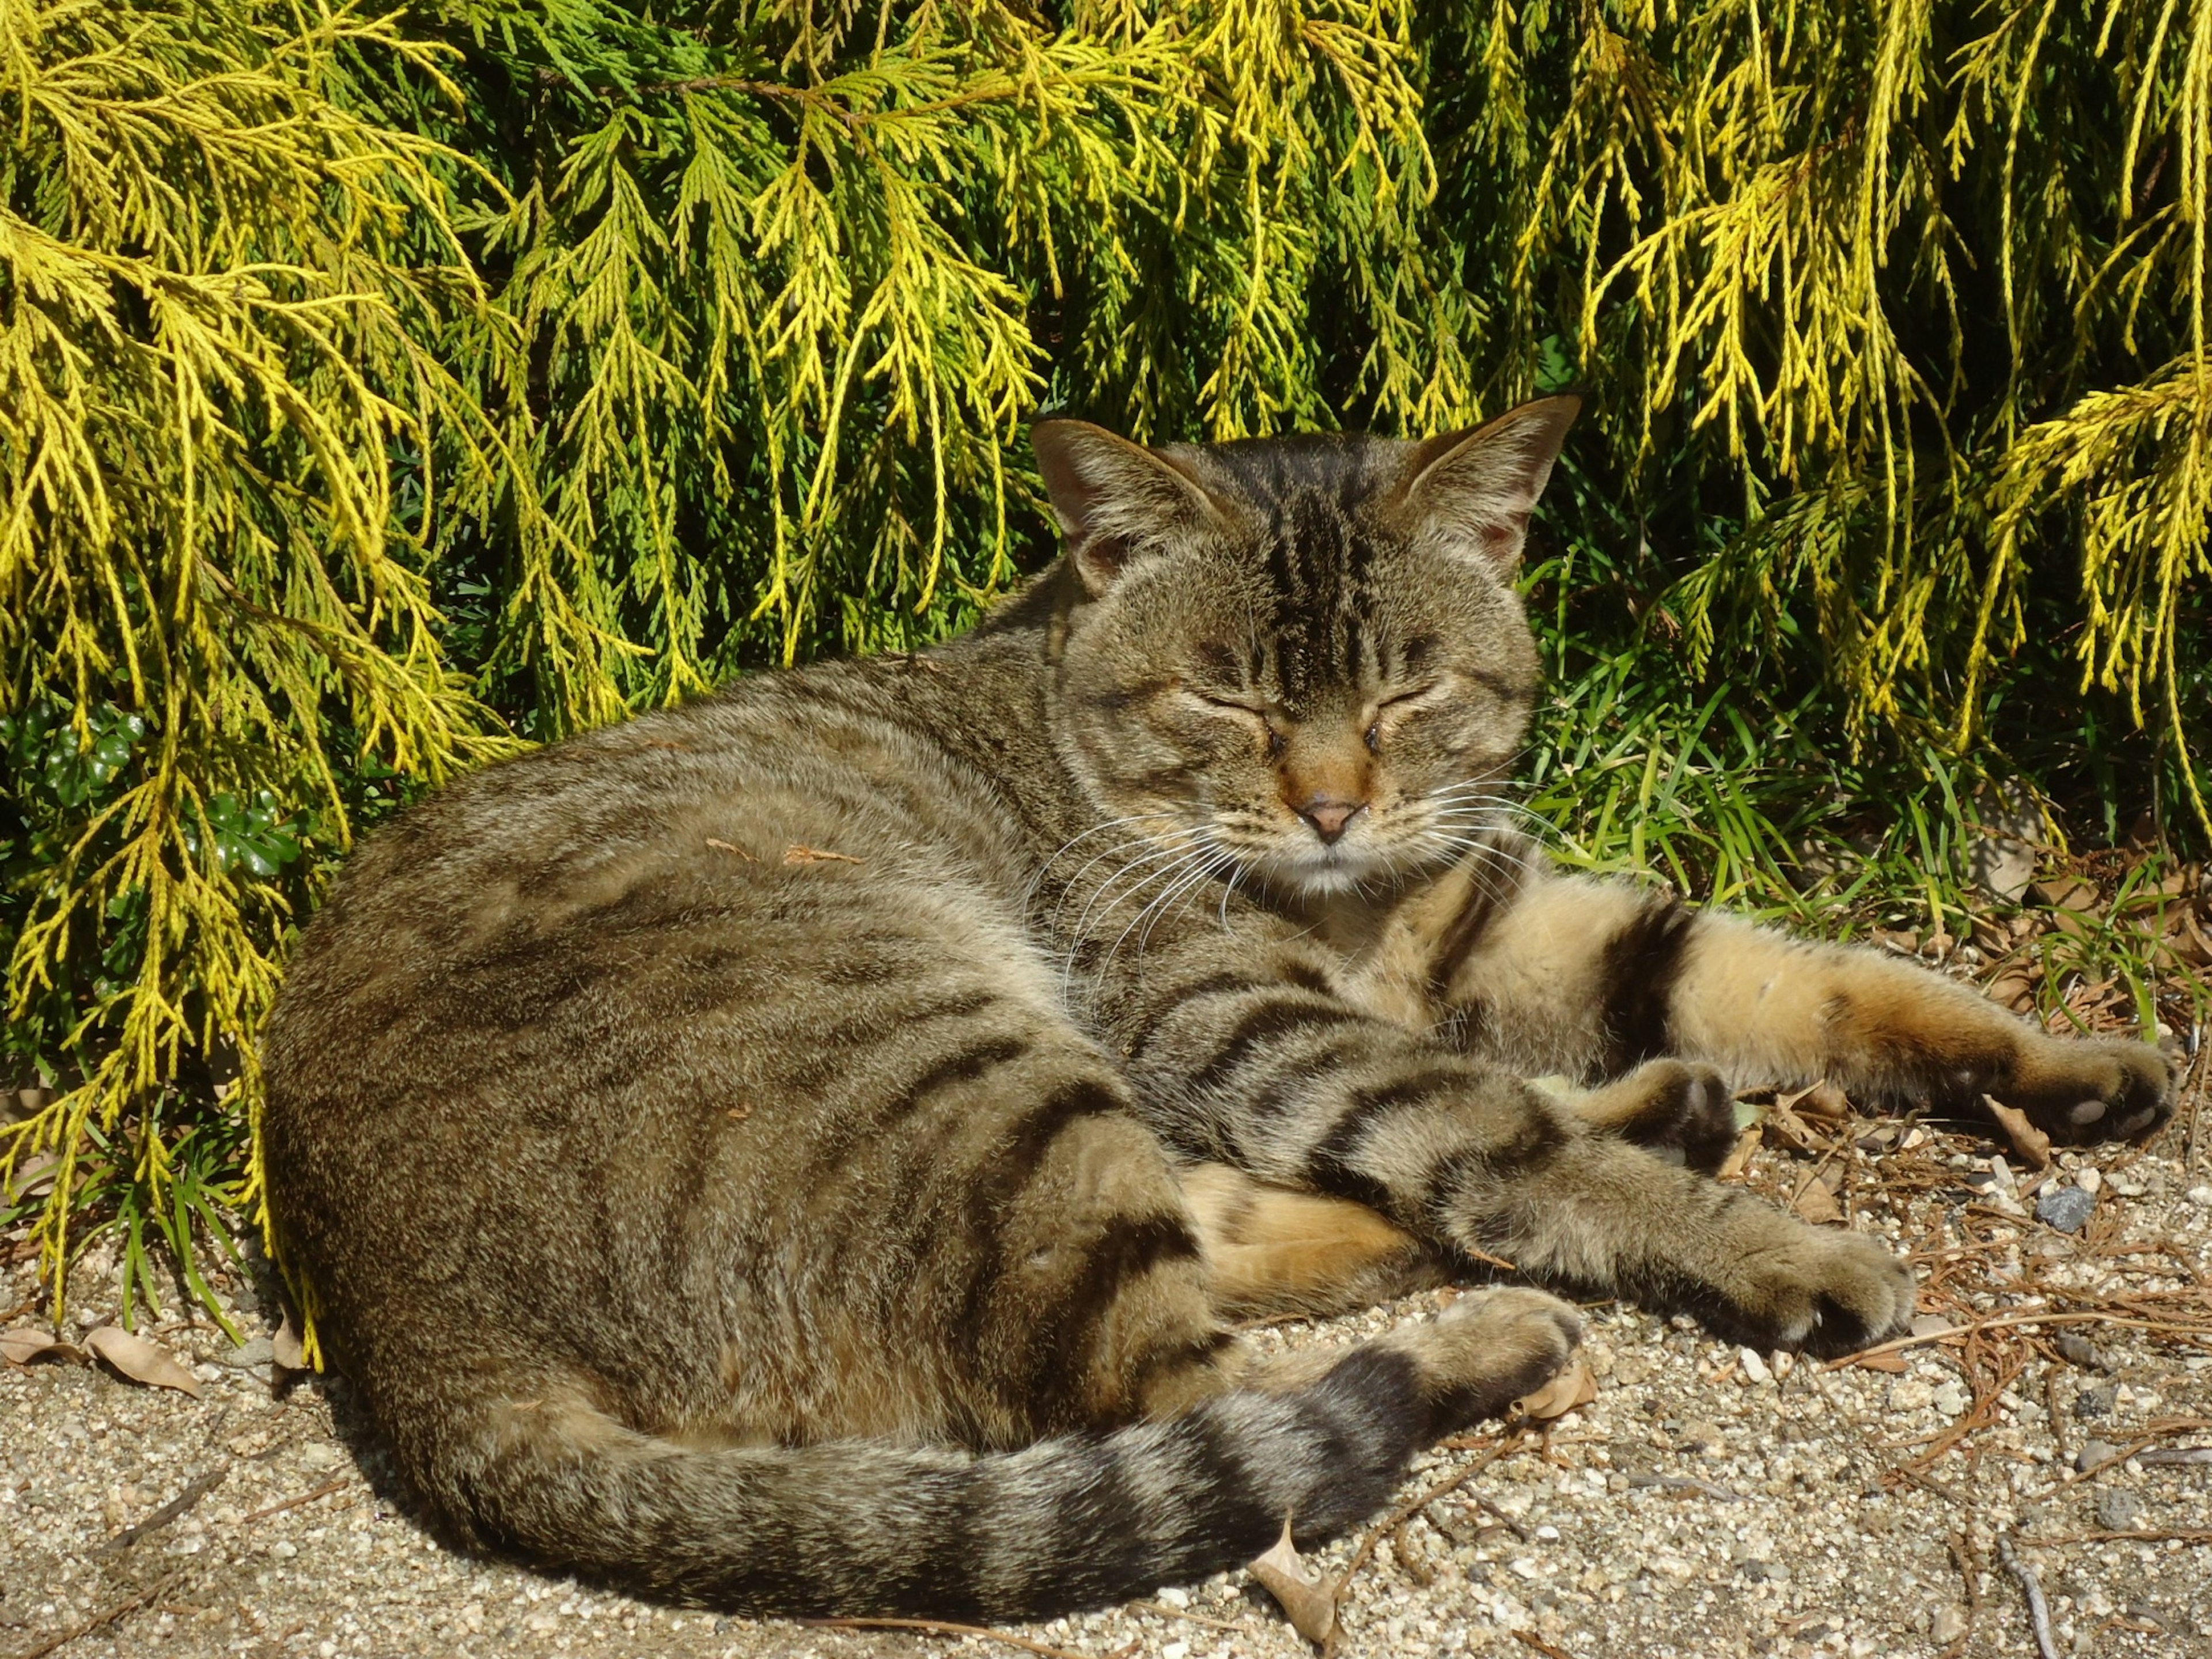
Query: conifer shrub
[[383, 392]]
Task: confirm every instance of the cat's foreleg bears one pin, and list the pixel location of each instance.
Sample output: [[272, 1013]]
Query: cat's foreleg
[[1269, 1067], [1594, 978]]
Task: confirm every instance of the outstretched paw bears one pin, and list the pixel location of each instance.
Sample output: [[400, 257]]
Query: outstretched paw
[[1667, 1105], [1488, 1349], [2090, 1089], [1824, 1291]]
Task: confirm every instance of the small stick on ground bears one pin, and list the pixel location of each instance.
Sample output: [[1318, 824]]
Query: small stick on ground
[[99, 1620], [2057, 1422], [197, 1488], [2038, 1610], [2186, 1534], [1414, 1505], [1971, 1573], [293, 1503], [945, 1627], [1532, 1639]]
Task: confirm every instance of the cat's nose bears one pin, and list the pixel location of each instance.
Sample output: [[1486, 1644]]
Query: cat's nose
[[1329, 817]]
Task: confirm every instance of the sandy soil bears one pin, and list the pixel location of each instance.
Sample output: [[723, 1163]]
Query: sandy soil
[[1707, 1501]]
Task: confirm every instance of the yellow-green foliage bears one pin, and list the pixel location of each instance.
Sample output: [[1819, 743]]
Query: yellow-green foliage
[[378, 392]]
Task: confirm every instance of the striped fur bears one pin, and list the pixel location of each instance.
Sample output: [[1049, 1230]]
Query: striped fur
[[803, 1151]]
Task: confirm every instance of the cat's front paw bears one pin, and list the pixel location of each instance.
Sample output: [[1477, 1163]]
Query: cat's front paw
[[1826, 1293], [2090, 1089]]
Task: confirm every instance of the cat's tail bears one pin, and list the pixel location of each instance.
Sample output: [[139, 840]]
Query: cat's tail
[[858, 1527]]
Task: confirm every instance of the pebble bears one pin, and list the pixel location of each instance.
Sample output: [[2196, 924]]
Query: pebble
[[1754, 1368], [2094, 1402], [1948, 1625], [258, 1352], [2066, 1208], [1172, 1596], [2119, 1510], [2080, 1351], [1952, 1399], [2201, 1196], [2094, 1455], [2089, 1178]]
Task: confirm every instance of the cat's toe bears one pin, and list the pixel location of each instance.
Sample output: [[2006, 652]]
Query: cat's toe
[[2099, 1089]]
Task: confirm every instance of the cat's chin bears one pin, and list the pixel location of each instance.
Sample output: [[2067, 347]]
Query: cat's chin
[[1325, 872]]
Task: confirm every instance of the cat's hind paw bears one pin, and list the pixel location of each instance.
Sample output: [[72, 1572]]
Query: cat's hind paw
[[2090, 1089], [1488, 1349]]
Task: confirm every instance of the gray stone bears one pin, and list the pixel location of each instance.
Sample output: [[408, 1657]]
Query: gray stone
[[2094, 1402], [2118, 1510], [2080, 1351], [255, 1353], [2066, 1208], [2094, 1455]]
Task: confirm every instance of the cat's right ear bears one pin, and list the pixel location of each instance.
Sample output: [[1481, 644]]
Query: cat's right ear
[[1115, 500]]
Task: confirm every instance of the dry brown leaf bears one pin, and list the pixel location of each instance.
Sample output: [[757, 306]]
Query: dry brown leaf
[[1818, 1205], [286, 1348], [1308, 1597], [1573, 1387], [1823, 1101], [34, 1176], [1733, 1166], [1893, 1363], [2066, 892], [22, 1344], [1788, 1132], [2029, 1141], [140, 1360]]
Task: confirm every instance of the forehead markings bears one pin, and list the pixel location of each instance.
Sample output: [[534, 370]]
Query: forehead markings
[[1319, 559]]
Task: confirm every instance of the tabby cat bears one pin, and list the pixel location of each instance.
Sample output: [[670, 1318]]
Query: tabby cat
[[805, 1152]]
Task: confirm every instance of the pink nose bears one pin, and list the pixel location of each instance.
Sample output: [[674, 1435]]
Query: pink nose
[[1329, 817]]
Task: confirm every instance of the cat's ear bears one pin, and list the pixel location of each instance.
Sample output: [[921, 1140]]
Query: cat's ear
[[1114, 499], [1473, 491]]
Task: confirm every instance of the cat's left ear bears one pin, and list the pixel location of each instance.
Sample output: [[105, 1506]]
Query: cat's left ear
[[1473, 491]]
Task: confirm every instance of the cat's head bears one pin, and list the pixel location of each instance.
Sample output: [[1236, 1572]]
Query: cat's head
[[1302, 655]]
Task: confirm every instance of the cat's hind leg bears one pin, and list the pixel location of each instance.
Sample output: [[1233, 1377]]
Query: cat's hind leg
[[1272, 1253], [1554, 972]]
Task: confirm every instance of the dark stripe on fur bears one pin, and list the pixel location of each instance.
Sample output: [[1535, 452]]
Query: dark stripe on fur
[[1486, 899], [1127, 1248], [1272, 1020], [1636, 979]]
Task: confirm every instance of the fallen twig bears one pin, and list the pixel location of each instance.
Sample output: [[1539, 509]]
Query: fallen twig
[[2038, 1610], [1161, 1609], [196, 1489], [99, 1620], [2186, 1534], [1414, 1505], [293, 1503], [2012, 1321], [1971, 1573], [1685, 1483], [945, 1627], [1532, 1639]]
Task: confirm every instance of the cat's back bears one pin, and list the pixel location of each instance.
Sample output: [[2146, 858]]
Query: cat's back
[[643, 977]]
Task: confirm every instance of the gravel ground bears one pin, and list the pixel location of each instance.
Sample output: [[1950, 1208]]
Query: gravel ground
[[1707, 1501]]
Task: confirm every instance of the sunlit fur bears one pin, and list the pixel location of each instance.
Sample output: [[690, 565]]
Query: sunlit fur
[[1308, 635]]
